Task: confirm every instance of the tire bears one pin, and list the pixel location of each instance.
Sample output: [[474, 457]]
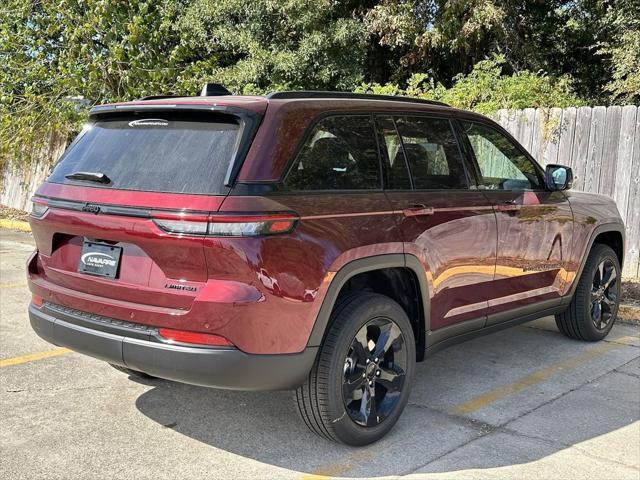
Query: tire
[[133, 373], [359, 320], [599, 284]]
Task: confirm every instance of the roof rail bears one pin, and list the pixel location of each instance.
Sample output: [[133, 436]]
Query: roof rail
[[158, 97], [358, 96], [208, 90]]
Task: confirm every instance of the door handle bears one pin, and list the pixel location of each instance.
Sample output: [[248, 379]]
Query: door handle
[[417, 210], [508, 205]]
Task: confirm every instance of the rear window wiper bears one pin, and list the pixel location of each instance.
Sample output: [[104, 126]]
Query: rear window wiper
[[97, 177]]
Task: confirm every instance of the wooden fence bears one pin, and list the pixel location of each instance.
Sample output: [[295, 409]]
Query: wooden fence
[[600, 144], [18, 184]]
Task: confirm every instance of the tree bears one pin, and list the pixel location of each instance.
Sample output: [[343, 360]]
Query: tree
[[623, 49], [447, 37], [291, 44], [60, 56], [55, 52], [108, 50], [487, 89]]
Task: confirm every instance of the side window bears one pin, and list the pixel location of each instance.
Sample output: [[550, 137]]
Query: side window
[[432, 153], [340, 154], [502, 165], [397, 174]]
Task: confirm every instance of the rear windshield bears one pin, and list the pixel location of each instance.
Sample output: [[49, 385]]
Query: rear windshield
[[174, 153]]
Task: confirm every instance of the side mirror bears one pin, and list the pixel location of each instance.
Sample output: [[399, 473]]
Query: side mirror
[[558, 177]]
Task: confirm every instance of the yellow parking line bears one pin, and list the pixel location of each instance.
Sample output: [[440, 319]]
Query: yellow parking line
[[349, 462], [33, 356], [15, 225], [340, 467], [12, 285], [484, 400]]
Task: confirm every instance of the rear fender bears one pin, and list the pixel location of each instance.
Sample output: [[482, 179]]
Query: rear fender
[[361, 265]]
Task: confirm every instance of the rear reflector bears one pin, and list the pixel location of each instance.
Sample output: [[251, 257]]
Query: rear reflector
[[224, 225], [193, 337], [36, 300]]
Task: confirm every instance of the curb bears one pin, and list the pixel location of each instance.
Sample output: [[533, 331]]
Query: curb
[[19, 225], [629, 313]]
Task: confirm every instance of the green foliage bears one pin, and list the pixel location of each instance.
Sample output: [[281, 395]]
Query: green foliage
[[61, 56], [448, 37], [624, 51], [268, 45], [110, 50], [486, 89], [102, 50]]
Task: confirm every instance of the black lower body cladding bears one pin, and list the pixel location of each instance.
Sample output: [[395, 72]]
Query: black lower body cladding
[[227, 368]]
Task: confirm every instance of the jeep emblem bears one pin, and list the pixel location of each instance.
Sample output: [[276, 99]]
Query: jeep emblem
[[91, 208]]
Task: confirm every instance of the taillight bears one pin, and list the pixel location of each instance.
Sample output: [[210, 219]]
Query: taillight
[[183, 336], [38, 207], [224, 225], [181, 223], [36, 300], [250, 226]]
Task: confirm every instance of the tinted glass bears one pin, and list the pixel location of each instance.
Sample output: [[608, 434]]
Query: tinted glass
[[340, 154], [502, 165], [397, 174], [167, 153], [432, 153]]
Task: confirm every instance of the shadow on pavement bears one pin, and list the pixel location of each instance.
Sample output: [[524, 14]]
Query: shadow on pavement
[[264, 426]]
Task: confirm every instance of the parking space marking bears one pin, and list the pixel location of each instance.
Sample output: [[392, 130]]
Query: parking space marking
[[15, 225], [486, 399], [343, 466], [33, 356], [13, 285], [340, 467]]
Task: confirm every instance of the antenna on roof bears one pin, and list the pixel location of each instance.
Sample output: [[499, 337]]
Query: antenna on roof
[[213, 90]]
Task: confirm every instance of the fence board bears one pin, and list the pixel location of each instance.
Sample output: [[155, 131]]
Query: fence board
[[581, 145], [610, 151], [567, 134], [632, 263], [594, 150], [502, 118], [527, 127], [537, 135], [551, 137], [625, 155], [512, 121]]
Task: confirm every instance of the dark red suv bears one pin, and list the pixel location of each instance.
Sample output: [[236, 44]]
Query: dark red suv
[[316, 241]]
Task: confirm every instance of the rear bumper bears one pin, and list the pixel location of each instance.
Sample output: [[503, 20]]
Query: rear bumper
[[135, 346]]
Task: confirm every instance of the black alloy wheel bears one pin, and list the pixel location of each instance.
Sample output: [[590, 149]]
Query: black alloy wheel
[[361, 380], [374, 372], [604, 294], [594, 306]]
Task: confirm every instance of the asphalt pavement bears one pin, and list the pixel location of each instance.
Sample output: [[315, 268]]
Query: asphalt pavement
[[522, 403]]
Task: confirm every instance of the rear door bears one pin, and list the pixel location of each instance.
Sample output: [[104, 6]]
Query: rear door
[[120, 199], [335, 186], [534, 224], [446, 224]]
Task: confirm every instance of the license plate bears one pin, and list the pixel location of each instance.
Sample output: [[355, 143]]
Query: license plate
[[99, 259]]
